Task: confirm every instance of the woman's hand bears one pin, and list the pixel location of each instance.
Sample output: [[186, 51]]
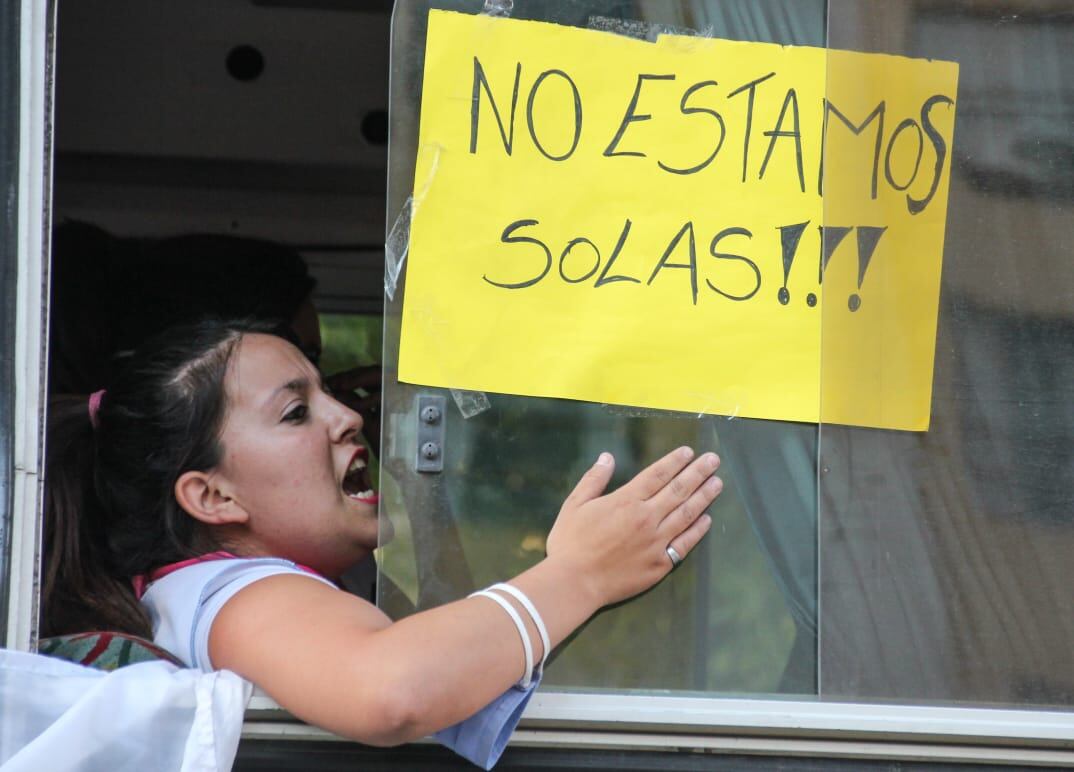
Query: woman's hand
[[616, 544]]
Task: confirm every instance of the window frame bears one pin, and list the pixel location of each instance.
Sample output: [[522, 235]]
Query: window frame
[[757, 726], [34, 206]]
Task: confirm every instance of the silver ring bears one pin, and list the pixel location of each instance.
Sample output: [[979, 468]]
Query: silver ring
[[676, 558]]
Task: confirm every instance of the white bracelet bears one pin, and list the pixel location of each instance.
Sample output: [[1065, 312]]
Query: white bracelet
[[523, 633], [538, 622]]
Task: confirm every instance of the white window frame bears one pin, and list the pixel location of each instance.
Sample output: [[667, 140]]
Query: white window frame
[[36, 22], [766, 727], [553, 719]]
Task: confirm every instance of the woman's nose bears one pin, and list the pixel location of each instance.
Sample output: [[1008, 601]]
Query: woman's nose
[[345, 423]]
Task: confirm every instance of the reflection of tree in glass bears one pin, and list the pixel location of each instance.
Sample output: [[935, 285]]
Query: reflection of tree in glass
[[350, 340], [719, 623]]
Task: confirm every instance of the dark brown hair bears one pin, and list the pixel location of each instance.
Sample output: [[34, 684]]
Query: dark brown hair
[[110, 508]]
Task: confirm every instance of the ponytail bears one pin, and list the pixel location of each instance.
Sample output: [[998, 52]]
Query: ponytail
[[82, 590], [110, 507]]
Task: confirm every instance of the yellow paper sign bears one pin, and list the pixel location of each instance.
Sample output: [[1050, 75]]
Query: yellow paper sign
[[693, 224]]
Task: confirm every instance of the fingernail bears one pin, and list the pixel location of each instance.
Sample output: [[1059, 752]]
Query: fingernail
[[713, 484], [707, 520], [604, 459], [686, 452], [712, 460]]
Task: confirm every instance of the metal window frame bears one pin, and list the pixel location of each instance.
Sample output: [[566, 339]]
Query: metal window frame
[[26, 429], [817, 751], [766, 727]]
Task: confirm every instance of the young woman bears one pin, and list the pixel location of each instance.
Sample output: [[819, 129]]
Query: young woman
[[208, 497]]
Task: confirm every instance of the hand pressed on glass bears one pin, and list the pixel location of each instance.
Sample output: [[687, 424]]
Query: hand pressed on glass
[[616, 544]]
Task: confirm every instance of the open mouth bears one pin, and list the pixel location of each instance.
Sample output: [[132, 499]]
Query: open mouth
[[356, 483]]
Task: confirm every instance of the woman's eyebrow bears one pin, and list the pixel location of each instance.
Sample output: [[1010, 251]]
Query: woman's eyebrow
[[297, 385]]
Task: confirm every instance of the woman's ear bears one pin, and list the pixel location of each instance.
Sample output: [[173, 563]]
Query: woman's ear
[[204, 498]]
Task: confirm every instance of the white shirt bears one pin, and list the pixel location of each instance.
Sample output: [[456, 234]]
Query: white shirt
[[183, 604]]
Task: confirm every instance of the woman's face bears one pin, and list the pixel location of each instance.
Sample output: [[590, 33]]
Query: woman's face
[[293, 462]]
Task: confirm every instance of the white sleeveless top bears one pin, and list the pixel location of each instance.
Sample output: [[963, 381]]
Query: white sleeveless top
[[183, 604]]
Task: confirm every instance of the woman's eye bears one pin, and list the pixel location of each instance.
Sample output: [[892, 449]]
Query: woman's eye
[[297, 414]]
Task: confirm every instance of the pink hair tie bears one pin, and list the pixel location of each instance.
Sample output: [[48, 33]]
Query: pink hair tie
[[95, 406]]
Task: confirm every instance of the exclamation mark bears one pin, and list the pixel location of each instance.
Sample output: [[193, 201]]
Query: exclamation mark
[[868, 238], [789, 236], [831, 237]]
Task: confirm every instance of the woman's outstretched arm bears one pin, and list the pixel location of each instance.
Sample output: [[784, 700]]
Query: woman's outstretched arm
[[338, 662]]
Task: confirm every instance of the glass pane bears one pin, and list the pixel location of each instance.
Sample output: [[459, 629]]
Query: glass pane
[[740, 616], [946, 563], [350, 340]]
